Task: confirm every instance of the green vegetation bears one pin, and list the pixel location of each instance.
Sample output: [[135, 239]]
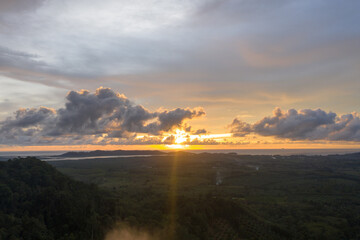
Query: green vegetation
[[246, 197], [184, 196], [38, 202]]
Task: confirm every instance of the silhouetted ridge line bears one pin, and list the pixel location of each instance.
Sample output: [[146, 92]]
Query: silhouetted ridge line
[[111, 153]]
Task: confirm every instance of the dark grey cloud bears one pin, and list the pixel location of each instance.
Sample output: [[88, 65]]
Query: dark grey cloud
[[28, 117], [26, 125], [106, 111], [201, 131], [17, 59], [304, 124], [88, 113], [240, 128], [173, 118], [88, 116], [13, 6], [294, 124], [169, 140]]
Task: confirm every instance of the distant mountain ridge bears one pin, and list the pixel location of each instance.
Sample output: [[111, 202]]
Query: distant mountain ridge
[[98, 153]]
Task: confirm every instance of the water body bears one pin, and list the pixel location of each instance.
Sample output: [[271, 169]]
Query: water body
[[4, 156], [31, 153], [48, 159], [50, 155], [283, 152], [53, 156]]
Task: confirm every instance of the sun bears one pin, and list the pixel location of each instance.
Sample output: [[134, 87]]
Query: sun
[[180, 136]]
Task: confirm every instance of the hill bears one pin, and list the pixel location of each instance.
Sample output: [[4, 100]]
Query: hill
[[38, 202], [99, 153]]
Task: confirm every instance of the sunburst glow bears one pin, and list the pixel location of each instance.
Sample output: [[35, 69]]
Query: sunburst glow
[[177, 146], [181, 139], [180, 136]]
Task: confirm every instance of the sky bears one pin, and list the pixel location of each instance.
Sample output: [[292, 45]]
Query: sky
[[139, 74]]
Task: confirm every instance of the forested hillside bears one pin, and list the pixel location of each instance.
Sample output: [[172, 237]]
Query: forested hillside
[[38, 202]]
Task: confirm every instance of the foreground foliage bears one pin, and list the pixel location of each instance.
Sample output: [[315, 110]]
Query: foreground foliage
[[38, 202]]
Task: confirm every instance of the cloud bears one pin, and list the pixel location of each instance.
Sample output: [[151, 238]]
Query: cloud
[[138, 36], [169, 119], [173, 52], [89, 113], [254, 47], [25, 125], [201, 131], [240, 128], [11, 6], [306, 124], [17, 59], [28, 117], [93, 117]]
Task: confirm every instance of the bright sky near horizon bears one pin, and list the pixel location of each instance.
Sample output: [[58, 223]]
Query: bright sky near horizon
[[92, 74]]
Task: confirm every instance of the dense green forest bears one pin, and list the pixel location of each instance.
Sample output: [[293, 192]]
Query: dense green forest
[[242, 196], [38, 202], [183, 196]]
